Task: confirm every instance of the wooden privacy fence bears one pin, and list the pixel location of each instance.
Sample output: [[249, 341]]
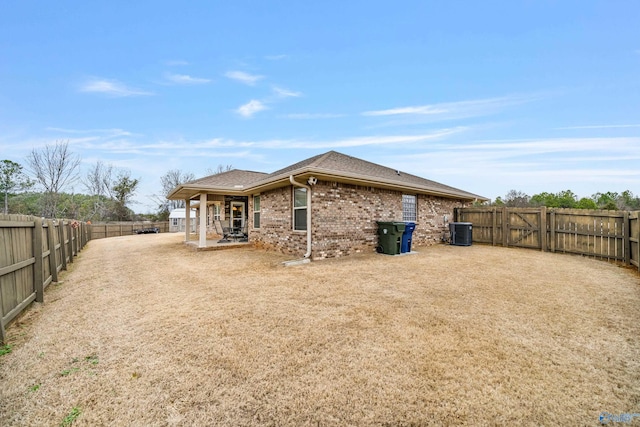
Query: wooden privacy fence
[[101, 230], [32, 253], [608, 235]]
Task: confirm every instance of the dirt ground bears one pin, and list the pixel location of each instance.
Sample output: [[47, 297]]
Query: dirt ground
[[145, 332]]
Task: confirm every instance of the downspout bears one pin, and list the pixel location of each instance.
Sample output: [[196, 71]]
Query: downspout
[[296, 183]]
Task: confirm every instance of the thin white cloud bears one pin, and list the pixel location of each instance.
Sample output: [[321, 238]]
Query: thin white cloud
[[250, 108], [111, 88], [184, 79], [311, 116], [276, 57], [515, 156], [164, 147], [454, 110], [425, 109], [285, 93], [110, 132], [391, 140], [598, 127], [242, 77]]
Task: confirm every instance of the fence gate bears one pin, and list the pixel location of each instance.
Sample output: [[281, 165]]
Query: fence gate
[[523, 228], [608, 235]]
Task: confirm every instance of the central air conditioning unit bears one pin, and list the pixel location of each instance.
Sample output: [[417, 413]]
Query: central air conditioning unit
[[460, 233]]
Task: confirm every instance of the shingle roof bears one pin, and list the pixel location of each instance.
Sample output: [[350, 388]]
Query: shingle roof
[[229, 179], [335, 163], [331, 164]]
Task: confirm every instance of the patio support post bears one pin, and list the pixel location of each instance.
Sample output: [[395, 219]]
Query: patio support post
[[203, 220], [187, 219]]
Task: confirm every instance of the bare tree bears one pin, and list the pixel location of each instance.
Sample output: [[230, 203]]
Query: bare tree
[[54, 167], [171, 180], [516, 199], [219, 169], [98, 179], [98, 182]]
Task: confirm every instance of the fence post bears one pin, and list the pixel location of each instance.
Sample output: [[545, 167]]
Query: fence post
[[38, 280], [627, 238], [70, 234], [543, 229], [63, 248], [53, 264], [75, 231]]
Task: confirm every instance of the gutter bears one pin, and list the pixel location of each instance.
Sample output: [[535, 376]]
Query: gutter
[[297, 184]]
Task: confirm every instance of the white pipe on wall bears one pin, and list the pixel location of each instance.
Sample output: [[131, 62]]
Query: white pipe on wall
[[296, 183]]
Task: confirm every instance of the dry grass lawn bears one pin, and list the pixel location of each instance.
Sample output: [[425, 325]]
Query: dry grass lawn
[[145, 332]]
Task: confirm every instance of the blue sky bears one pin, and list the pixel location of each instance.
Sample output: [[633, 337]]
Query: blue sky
[[484, 96]]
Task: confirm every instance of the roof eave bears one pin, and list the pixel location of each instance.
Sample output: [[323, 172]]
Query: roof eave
[[357, 179], [183, 192]]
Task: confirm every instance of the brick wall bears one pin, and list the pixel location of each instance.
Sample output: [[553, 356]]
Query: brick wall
[[344, 219], [431, 224], [276, 223]]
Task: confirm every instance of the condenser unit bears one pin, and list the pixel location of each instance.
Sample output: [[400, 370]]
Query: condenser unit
[[460, 233]]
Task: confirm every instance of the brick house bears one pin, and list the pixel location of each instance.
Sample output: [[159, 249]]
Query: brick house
[[322, 207]]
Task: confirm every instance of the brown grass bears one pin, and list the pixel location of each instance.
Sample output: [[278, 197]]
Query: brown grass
[[144, 331]]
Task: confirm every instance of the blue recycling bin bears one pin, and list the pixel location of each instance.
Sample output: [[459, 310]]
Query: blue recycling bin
[[406, 237]]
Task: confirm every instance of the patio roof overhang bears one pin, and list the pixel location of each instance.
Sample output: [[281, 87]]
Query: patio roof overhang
[[188, 192]]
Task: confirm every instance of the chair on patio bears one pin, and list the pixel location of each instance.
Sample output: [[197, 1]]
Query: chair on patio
[[236, 233], [223, 231]]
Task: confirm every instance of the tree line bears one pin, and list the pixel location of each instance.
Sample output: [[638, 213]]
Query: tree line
[[625, 201], [41, 187]]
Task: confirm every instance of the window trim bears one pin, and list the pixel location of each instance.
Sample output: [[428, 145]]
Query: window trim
[[256, 211], [407, 205], [296, 209], [217, 216]]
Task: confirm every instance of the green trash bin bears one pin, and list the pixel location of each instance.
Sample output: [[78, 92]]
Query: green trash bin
[[390, 237]]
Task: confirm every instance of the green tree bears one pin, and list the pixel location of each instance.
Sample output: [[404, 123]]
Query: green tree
[[12, 179], [566, 199], [586, 203], [606, 200], [544, 199], [26, 203], [123, 190], [498, 202]]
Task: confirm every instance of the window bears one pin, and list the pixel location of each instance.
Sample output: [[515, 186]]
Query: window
[[256, 211], [409, 211], [174, 222], [299, 209], [216, 212]]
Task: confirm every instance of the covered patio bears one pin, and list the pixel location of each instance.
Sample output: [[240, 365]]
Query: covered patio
[[221, 203]]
